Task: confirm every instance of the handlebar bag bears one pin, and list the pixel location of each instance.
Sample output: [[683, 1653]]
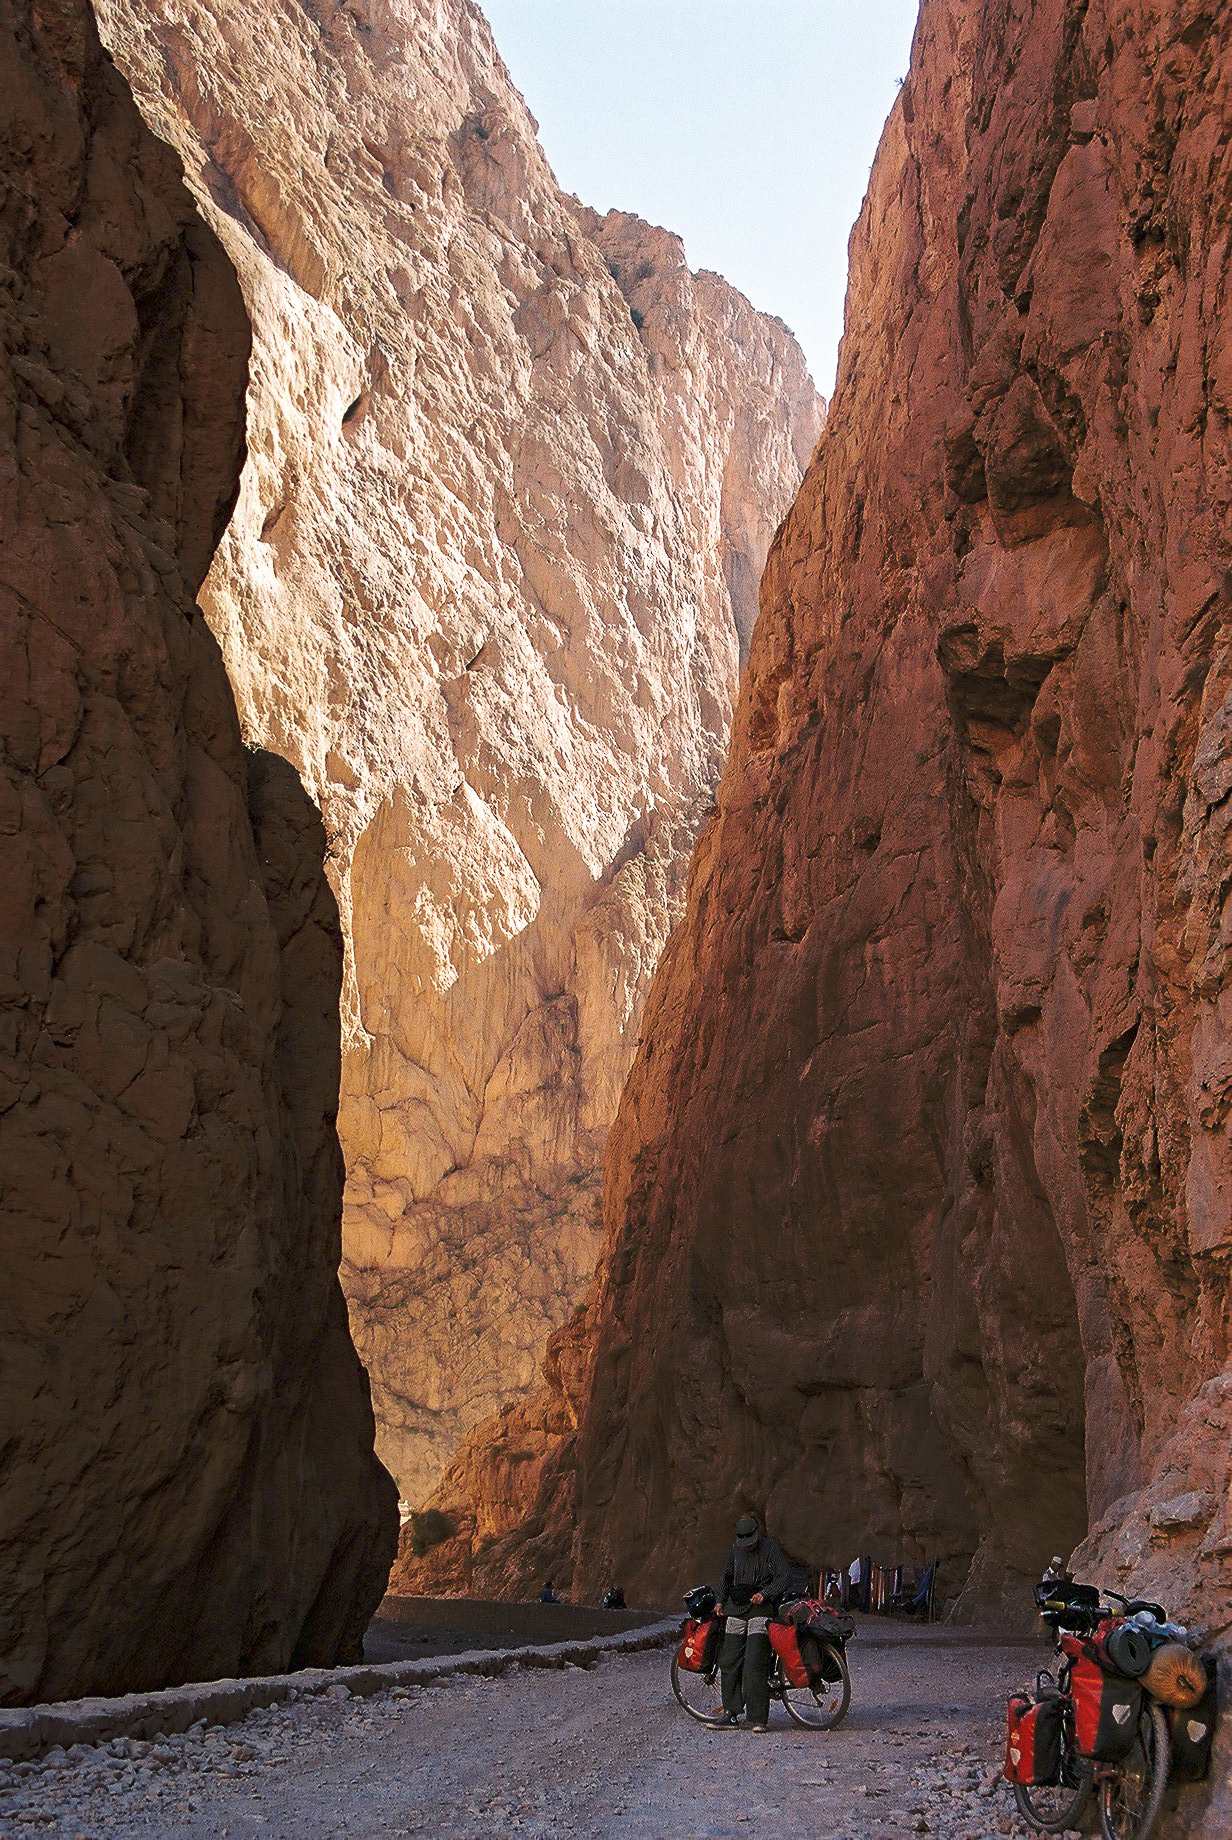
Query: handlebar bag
[[1192, 1730], [699, 1644], [1033, 1740], [785, 1641], [1106, 1707]]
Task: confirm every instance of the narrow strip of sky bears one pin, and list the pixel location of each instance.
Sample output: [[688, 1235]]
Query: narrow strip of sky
[[748, 126]]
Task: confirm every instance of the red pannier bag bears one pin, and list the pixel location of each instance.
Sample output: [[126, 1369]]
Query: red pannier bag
[[1033, 1738], [785, 1641], [699, 1644], [1106, 1707]]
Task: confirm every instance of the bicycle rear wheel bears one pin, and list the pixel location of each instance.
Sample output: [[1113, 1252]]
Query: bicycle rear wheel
[[824, 1706], [1131, 1797], [697, 1694]]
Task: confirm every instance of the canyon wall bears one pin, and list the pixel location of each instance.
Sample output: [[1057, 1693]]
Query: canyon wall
[[918, 1200], [513, 474], [188, 1481]]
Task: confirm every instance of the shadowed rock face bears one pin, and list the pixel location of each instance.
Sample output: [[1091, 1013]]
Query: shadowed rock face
[[187, 1481], [918, 1200], [920, 1191], [513, 474]]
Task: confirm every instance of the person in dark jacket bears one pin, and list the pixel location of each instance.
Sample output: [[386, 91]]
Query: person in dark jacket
[[753, 1586]]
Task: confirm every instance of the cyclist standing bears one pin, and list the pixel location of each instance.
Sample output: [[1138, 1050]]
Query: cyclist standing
[[753, 1585]]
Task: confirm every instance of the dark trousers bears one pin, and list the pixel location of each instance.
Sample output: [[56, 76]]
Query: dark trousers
[[744, 1662]]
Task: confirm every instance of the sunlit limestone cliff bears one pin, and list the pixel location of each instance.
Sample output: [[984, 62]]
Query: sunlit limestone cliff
[[513, 474]]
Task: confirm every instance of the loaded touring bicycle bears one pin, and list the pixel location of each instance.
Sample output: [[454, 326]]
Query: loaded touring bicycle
[[808, 1674]]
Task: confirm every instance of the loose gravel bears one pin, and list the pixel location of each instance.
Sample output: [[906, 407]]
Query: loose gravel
[[597, 1751]]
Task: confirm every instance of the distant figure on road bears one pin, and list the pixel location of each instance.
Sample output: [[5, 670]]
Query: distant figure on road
[[614, 1598], [753, 1586], [548, 1595]]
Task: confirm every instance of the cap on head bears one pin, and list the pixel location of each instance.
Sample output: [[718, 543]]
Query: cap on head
[[746, 1526]]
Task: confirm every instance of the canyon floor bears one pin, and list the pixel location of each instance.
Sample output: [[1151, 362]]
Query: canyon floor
[[406, 1628], [541, 1754]]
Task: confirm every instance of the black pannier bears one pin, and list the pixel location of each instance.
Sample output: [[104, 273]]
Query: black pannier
[[1192, 1729]]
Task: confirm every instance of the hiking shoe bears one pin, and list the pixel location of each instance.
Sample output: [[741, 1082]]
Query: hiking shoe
[[725, 1720]]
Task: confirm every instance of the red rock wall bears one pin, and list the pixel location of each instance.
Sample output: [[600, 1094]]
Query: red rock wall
[[188, 1484], [918, 1199]]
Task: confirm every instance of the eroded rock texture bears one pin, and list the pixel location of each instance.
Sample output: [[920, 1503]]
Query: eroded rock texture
[[513, 474], [187, 1481], [919, 1194]]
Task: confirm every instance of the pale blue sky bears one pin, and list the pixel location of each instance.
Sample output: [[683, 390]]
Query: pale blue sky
[[748, 126]]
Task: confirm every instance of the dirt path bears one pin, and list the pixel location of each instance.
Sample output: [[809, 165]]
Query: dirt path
[[544, 1754]]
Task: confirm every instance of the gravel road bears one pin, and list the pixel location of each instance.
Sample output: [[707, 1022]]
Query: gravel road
[[543, 1754]]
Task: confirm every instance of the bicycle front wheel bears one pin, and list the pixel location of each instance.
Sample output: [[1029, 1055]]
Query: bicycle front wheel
[[697, 1694], [1054, 1808], [824, 1706], [1131, 1796]]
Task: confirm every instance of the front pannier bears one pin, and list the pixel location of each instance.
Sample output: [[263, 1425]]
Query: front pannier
[[785, 1641], [1033, 1740], [1106, 1709], [699, 1644]]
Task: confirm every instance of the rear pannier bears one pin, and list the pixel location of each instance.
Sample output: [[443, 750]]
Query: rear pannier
[[1033, 1739], [1106, 1707], [1193, 1730], [699, 1644], [785, 1641]]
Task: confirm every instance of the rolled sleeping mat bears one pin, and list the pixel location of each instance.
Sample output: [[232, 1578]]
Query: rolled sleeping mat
[[1176, 1676], [1129, 1650]]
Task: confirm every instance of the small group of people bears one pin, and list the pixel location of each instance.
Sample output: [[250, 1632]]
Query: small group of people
[[613, 1598]]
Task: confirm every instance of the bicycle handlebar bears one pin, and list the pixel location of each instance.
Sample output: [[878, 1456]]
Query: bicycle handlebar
[[1064, 1601]]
